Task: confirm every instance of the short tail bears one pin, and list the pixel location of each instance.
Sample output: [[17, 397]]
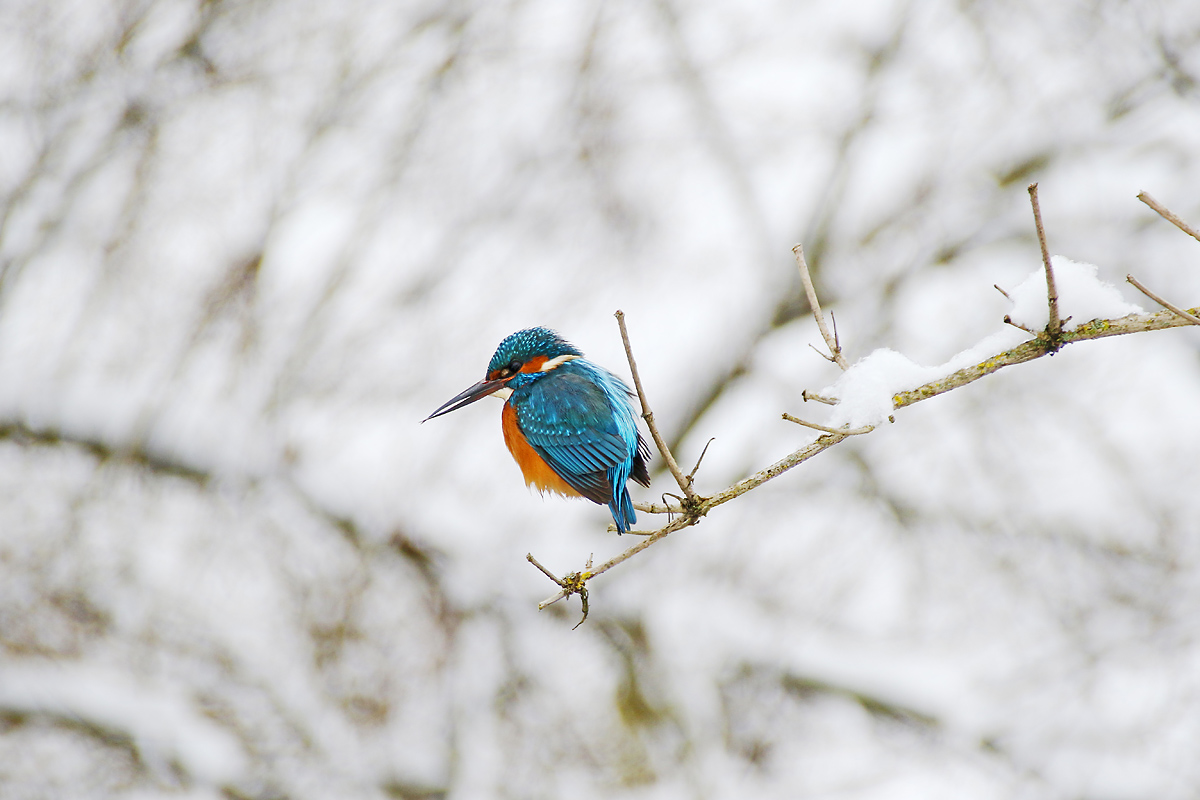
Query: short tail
[[621, 504], [622, 510]]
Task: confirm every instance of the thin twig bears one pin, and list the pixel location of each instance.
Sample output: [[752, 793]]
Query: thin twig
[[806, 395], [1189, 317], [824, 429], [685, 483], [830, 359], [831, 342], [1009, 321], [1166, 214], [696, 468], [1001, 291], [546, 572], [1054, 326]]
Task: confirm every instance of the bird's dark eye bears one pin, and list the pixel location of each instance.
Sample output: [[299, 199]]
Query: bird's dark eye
[[513, 367]]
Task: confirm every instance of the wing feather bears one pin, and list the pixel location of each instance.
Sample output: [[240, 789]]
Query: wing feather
[[569, 420]]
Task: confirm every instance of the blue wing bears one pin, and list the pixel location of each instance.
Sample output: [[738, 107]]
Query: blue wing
[[578, 418]]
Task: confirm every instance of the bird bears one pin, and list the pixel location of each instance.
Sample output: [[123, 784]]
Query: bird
[[568, 423]]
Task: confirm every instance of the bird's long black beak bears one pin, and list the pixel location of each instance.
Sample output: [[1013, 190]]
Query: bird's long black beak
[[468, 396]]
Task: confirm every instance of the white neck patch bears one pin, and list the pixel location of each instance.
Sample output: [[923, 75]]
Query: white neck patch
[[557, 361]]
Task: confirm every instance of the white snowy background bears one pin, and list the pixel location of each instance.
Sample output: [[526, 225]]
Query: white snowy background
[[247, 245]]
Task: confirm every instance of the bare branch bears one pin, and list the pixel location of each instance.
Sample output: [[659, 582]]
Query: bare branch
[[781, 466], [685, 483], [831, 342], [1189, 317], [682, 522], [658, 508], [549, 601], [1036, 348], [1054, 326], [1166, 214]]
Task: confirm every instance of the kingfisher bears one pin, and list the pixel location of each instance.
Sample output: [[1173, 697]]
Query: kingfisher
[[568, 423]]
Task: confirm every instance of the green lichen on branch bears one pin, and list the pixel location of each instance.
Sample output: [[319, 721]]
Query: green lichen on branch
[[1041, 346]]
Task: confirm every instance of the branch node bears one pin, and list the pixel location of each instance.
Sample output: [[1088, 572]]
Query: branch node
[[575, 583]]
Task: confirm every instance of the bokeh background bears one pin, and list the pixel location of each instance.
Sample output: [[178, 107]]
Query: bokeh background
[[247, 245]]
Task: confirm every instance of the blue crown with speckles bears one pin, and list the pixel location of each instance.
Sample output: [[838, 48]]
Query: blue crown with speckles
[[524, 345]]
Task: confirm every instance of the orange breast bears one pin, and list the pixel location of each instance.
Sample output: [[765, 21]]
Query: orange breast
[[536, 471]]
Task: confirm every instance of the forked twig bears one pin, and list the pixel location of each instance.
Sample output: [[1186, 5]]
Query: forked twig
[[831, 341]]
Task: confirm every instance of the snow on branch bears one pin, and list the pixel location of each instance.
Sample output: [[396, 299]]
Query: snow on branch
[[869, 391]]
